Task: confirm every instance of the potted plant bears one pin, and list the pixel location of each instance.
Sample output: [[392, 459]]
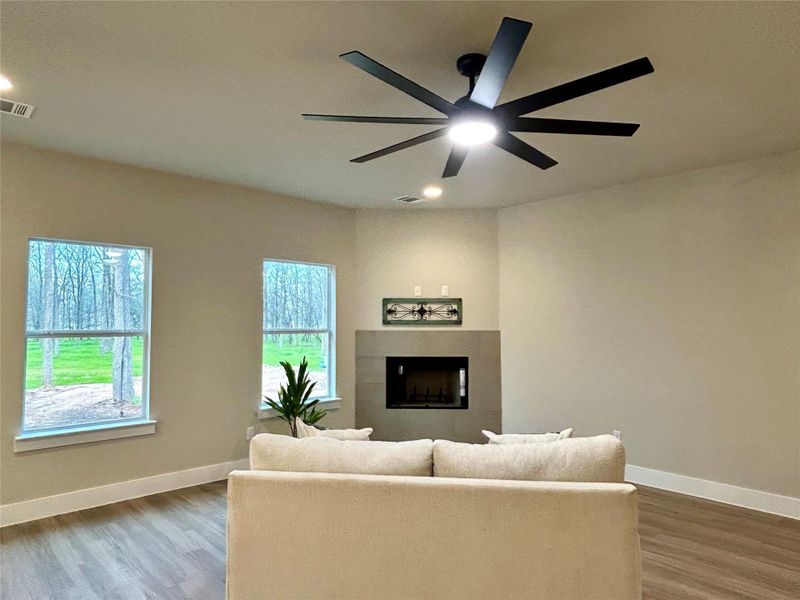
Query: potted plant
[[293, 398]]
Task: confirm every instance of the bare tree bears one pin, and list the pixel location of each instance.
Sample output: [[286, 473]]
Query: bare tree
[[122, 377], [48, 313], [108, 301]]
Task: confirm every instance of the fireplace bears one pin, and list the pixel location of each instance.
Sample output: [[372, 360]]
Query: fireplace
[[427, 382], [382, 391]]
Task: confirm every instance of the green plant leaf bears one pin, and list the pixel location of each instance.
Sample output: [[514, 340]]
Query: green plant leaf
[[314, 416], [307, 408], [293, 397]]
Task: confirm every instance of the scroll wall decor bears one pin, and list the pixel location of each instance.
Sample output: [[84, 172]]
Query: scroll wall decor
[[422, 311]]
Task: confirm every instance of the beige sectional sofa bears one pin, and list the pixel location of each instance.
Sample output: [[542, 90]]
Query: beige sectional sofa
[[322, 518]]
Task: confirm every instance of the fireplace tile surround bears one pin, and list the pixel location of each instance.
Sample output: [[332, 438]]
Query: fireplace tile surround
[[482, 348]]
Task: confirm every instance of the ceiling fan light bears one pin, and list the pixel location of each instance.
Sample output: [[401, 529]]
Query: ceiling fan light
[[471, 133]]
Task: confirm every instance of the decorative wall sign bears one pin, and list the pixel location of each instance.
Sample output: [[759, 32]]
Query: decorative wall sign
[[422, 311]]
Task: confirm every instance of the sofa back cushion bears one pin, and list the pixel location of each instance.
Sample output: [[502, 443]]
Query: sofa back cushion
[[600, 458], [326, 455]]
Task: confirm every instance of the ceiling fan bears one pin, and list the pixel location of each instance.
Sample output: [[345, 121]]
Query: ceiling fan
[[476, 118]]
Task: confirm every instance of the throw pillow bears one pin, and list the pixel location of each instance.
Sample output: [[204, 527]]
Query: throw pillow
[[524, 438], [305, 431]]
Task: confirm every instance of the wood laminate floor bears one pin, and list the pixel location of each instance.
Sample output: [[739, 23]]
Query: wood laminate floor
[[172, 545]]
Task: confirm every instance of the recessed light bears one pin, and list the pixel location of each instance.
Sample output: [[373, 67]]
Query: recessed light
[[472, 132], [5, 83], [432, 192]]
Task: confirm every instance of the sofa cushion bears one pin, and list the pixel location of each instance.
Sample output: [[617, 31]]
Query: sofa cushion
[[305, 431], [524, 438], [600, 458], [270, 452]]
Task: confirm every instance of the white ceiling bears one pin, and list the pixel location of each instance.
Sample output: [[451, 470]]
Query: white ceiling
[[216, 90]]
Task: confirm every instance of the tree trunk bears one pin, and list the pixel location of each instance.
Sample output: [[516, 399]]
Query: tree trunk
[[108, 306], [49, 310], [39, 323], [122, 378], [93, 320]]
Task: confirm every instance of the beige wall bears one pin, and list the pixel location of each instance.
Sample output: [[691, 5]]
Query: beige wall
[[669, 309], [208, 242], [398, 249]]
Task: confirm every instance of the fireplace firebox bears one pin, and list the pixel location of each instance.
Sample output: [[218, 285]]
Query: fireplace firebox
[[427, 382]]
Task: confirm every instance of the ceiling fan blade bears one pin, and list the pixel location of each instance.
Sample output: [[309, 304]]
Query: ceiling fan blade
[[517, 147], [357, 119], [420, 139], [537, 125], [505, 49], [457, 156], [577, 88], [385, 74]]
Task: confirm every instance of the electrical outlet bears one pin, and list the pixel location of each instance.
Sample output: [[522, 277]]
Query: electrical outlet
[[445, 291], [418, 290], [251, 432], [617, 434]]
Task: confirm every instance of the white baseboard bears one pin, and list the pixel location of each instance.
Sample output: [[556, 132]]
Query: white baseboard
[[38, 508], [786, 506]]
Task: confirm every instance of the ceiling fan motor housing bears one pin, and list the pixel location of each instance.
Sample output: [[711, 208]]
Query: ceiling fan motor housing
[[470, 65]]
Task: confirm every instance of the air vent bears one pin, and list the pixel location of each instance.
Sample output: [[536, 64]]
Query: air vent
[[18, 109], [408, 199]]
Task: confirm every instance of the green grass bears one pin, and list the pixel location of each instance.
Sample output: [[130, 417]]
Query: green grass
[[77, 361], [81, 361], [292, 351]]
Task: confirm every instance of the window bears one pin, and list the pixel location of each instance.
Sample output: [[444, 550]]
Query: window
[[87, 335], [299, 321]]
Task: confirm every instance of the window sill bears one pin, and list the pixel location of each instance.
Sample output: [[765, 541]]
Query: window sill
[[92, 433], [265, 412]]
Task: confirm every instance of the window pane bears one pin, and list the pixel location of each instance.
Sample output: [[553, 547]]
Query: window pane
[[292, 348], [295, 295], [75, 381], [80, 287]]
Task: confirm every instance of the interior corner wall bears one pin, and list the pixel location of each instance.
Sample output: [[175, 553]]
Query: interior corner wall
[[399, 249], [208, 243], [668, 309]]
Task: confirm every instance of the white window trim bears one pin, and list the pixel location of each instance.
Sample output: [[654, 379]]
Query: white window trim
[[57, 438], [107, 430], [265, 412]]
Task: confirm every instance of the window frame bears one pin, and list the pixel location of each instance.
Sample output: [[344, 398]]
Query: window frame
[[331, 320], [143, 333]]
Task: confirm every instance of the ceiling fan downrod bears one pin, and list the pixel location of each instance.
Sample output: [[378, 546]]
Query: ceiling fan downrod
[[470, 65]]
